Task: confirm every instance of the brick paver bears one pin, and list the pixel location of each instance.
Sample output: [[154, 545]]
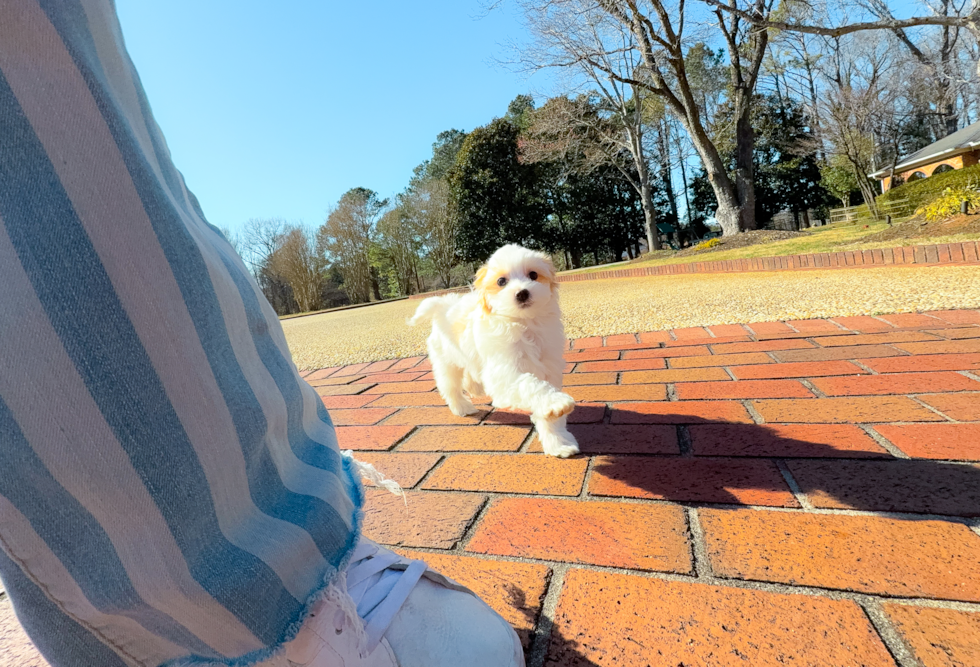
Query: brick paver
[[800, 493], [463, 439], [614, 393], [406, 469], [961, 407], [932, 362], [523, 473], [744, 389], [931, 559], [844, 410], [784, 440], [640, 537], [740, 481], [935, 441], [625, 439], [345, 402], [899, 486], [670, 412], [370, 437], [903, 383], [427, 519], [617, 619], [938, 637]]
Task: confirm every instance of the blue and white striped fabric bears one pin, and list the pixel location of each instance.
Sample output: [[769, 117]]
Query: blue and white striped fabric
[[171, 492]]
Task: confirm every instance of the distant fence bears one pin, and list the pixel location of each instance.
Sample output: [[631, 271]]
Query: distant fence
[[899, 210]]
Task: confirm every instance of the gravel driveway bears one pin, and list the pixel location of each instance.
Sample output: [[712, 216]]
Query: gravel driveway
[[606, 307]]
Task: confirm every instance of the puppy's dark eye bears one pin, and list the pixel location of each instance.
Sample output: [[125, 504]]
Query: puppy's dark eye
[[533, 275], [501, 281]]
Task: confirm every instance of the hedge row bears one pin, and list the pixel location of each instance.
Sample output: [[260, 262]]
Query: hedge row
[[925, 190]]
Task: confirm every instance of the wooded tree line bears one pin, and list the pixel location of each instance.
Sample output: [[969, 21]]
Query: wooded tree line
[[678, 112]]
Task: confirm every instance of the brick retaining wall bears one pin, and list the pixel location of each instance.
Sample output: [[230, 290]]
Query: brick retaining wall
[[947, 253]]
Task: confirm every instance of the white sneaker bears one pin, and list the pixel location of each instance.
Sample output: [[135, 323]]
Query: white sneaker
[[406, 616]]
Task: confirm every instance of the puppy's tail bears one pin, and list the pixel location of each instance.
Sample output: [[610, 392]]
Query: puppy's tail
[[434, 307], [437, 308]]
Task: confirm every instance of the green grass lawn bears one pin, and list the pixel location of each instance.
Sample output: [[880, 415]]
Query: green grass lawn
[[832, 238]]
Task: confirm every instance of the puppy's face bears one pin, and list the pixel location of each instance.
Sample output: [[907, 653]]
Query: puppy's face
[[516, 282]]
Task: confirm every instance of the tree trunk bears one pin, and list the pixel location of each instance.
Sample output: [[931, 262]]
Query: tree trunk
[[744, 177], [728, 213], [649, 214], [663, 144]]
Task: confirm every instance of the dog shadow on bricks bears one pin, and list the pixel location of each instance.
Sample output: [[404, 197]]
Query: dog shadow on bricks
[[833, 466]]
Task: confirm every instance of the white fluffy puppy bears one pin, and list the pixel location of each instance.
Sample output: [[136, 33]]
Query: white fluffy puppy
[[504, 339]]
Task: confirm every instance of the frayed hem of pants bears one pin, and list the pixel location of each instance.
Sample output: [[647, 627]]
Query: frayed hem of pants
[[334, 587]]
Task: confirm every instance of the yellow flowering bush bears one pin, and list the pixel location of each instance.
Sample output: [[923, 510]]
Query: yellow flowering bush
[[948, 203], [705, 245]]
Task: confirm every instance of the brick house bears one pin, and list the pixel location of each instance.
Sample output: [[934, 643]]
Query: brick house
[[958, 150]]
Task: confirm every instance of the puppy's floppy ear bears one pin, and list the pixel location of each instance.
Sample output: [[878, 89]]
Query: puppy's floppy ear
[[479, 284], [549, 272]]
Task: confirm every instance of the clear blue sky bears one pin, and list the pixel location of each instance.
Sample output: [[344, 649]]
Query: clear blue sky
[[276, 108]]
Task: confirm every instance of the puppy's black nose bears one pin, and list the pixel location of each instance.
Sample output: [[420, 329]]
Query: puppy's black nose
[[523, 295]]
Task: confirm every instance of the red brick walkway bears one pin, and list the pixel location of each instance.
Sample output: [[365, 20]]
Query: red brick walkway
[[801, 493]]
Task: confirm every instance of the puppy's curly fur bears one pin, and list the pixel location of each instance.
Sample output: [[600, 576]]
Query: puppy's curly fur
[[504, 339]]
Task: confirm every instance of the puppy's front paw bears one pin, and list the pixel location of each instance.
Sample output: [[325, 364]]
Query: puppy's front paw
[[462, 408], [557, 446], [561, 404]]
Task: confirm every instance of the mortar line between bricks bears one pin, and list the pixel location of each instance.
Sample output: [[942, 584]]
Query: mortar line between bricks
[[889, 635], [756, 417], [878, 317], [731, 374], [471, 527], [883, 442], [432, 470], [589, 498], [538, 646], [932, 409], [972, 376], [684, 441], [671, 392], [526, 444], [584, 493], [863, 367], [794, 486], [401, 441], [809, 385], [699, 546], [714, 580]]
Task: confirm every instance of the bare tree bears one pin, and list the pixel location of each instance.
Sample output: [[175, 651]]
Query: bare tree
[[299, 263], [591, 131], [346, 237], [643, 45], [261, 237], [427, 204], [856, 104], [969, 18]]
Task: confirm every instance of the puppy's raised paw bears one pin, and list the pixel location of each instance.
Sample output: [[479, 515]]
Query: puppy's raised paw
[[560, 405]]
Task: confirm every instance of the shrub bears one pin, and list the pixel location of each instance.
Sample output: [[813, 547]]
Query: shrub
[[919, 193], [705, 245], [948, 203]]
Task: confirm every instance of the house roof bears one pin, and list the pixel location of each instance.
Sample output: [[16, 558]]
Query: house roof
[[957, 142]]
